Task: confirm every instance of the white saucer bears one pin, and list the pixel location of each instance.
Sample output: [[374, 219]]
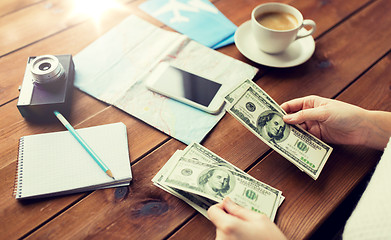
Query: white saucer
[[297, 53]]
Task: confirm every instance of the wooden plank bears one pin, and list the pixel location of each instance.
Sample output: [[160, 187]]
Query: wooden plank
[[354, 161], [145, 169], [18, 217], [295, 220], [142, 206], [326, 14], [195, 227], [339, 57], [28, 21], [9, 6], [227, 150], [75, 38], [23, 27], [293, 217], [140, 211], [68, 41], [308, 202], [13, 126], [27, 215], [41, 20]]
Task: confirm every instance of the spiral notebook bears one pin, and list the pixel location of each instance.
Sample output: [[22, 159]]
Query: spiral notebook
[[53, 164]]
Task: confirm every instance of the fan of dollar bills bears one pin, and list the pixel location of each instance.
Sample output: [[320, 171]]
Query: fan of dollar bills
[[201, 178]]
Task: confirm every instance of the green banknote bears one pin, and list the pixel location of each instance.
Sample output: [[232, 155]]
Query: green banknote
[[216, 182], [197, 153], [263, 116], [197, 202], [238, 91]]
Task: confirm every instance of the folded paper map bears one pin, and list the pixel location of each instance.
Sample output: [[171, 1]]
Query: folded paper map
[[113, 68]]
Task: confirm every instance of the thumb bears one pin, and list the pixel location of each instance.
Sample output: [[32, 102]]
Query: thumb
[[219, 217], [311, 114]]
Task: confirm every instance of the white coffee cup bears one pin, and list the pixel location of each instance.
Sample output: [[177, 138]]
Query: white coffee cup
[[271, 39]]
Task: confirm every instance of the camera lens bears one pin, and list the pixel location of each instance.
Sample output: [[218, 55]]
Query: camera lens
[[46, 69], [44, 66]]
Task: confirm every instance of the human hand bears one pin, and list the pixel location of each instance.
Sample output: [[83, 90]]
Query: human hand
[[330, 120], [235, 222]]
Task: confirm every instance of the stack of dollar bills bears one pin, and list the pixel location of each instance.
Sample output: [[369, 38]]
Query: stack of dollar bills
[[201, 178], [259, 113]]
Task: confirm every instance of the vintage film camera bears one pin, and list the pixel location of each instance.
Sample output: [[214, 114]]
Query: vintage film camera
[[47, 86]]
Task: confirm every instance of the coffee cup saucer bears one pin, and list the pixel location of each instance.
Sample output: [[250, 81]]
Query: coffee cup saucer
[[297, 53]]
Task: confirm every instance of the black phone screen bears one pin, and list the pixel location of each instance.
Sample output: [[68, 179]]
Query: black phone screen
[[177, 82]]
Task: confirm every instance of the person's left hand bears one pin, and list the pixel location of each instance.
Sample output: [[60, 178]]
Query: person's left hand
[[235, 222]]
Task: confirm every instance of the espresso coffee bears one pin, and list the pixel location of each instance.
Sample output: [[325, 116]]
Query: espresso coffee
[[277, 20]]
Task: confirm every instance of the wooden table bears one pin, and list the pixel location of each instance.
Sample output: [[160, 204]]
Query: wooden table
[[351, 63]]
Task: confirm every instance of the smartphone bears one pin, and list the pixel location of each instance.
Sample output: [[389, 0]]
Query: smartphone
[[185, 87]]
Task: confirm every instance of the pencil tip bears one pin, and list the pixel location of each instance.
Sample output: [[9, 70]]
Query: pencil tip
[[110, 174]]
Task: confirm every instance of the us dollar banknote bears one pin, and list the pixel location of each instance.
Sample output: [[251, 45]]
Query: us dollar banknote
[[197, 202], [238, 91], [259, 113], [216, 182], [200, 156]]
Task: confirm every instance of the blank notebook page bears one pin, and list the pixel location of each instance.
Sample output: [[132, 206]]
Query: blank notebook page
[[55, 163]]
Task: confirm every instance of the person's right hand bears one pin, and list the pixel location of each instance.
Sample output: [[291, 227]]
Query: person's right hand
[[329, 120], [234, 222]]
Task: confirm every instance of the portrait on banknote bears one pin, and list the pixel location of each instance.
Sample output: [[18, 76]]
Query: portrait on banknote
[[216, 181], [272, 127]]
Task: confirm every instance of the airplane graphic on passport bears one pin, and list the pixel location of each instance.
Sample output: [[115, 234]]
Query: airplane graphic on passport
[[192, 6], [200, 20]]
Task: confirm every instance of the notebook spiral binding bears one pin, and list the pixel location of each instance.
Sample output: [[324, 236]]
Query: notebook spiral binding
[[19, 170]]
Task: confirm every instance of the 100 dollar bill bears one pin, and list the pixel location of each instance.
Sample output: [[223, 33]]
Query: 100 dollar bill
[[197, 202], [259, 113], [198, 152], [216, 182], [238, 91]]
